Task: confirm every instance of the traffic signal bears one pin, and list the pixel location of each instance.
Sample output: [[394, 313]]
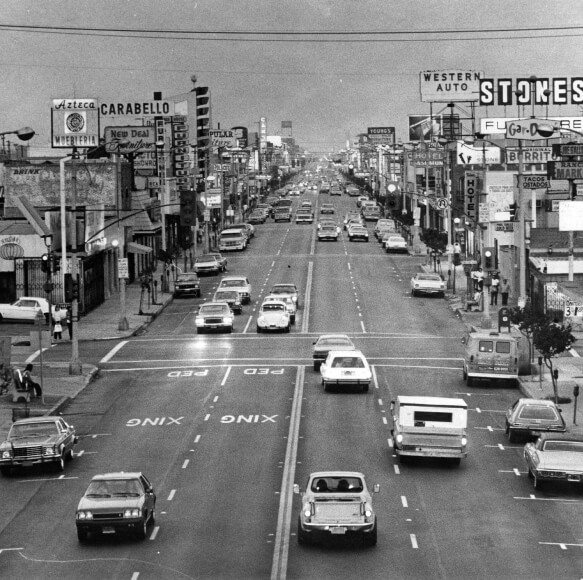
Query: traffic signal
[[187, 208], [56, 263], [68, 288], [45, 264], [512, 210], [71, 288], [490, 259]]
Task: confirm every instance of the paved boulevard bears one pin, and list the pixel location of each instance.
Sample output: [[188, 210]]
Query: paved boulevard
[[225, 424]]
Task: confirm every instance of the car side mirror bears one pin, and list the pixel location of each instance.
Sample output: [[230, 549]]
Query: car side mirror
[[376, 488], [296, 488], [464, 340], [392, 405]]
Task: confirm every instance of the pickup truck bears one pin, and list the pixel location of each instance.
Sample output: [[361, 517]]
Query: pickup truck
[[429, 427], [336, 504]]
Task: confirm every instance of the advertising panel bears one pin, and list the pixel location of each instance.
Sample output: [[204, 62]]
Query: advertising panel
[[471, 194], [130, 139], [542, 91], [571, 216], [74, 123], [449, 85], [40, 184], [476, 155], [138, 109], [425, 127], [497, 125], [381, 135]]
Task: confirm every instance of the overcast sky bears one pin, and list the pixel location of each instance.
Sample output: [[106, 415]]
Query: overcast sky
[[330, 90]]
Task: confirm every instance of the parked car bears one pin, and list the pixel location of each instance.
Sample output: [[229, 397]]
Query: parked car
[[336, 504], [233, 239], [220, 259], [214, 316], [357, 232], [396, 243], [555, 457], [187, 284], [231, 297], [273, 315], [116, 503], [25, 308], [206, 264], [360, 199], [531, 417], [345, 367], [248, 229], [326, 343], [288, 289], [386, 224], [239, 283], [46, 441], [423, 283]]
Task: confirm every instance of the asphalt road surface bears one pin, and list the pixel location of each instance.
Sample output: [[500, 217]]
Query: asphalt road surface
[[223, 425]]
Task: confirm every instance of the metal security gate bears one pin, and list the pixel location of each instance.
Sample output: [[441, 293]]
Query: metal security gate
[[92, 287]]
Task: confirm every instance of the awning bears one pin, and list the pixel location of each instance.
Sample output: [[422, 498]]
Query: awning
[[136, 248]]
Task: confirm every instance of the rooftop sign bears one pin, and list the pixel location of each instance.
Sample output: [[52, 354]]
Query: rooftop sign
[[446, 86]]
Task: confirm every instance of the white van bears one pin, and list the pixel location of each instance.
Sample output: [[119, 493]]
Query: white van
[[232, 240], [429, 427]]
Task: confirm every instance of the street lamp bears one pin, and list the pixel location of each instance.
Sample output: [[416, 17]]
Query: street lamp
[[24, 134]]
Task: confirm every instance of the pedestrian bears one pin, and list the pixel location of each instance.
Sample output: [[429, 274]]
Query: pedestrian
[[69, 321], [505, 291], [5, 378], [494, 291], [58, 331], [28, 381]]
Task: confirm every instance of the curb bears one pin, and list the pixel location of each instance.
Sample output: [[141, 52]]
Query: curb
[[65, 400]]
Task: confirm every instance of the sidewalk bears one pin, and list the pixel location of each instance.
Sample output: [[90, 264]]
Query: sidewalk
[[570, 367], [100, 324]]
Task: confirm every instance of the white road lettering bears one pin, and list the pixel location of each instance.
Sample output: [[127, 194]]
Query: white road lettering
[[263, 371], [184, 374], [155, 422], [248, 419]]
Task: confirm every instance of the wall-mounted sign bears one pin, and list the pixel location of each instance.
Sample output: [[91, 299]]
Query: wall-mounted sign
[[470, 194], [138, 109], [494, 125], [74, 123], [531, 129], [449, 85], [535, 182], [381, 135], [221, 138], [130, 139], [474, 155]]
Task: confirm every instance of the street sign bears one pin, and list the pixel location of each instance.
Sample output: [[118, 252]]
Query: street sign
[[441, 203], [123, 270], [565, 169], [531, 129]]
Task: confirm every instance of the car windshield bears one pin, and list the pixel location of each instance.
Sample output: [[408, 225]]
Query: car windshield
[[283, 290], [538, 412], [272, 307], [571, 446], [395, 239], [187, 277], [347, 362], [205, 259], [212, 309], [232, 283], [33, 430], [334, 484], [114, 488], [428, 277]]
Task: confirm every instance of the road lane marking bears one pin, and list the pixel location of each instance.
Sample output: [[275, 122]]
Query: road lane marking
[[185, 464], [307, 298], [207, 417], [171, 495], [284, 516], [226, 376], [414, 541], [135, 575], [397, 470], [113, 351], [247, 325], [561, 545], [155, 533], [197, 439], [404, 501]]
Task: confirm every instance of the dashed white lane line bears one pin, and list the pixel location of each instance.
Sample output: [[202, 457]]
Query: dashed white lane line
[[404, 501], [113, 351], [135, 575], [185, 464], [207, 417], [414, 543], [197, 439], [171, 495], [155, 533], [247, 325], [397, 470], [226, 376]]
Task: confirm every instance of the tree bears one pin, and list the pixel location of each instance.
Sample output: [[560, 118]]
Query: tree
[[526, 319], [551, 339]]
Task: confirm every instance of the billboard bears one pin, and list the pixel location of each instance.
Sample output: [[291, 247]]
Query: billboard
[[381, 135], [524, 91], [447, 86], [426, 127], [74, 123]]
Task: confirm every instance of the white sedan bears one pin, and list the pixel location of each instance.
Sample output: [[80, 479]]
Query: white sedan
[[25, 308], [396, 244], [273, 315], [345, 367], [427, 284]]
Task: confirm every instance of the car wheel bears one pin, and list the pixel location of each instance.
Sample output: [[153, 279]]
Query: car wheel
[[1, 319], [230, 330], [511, 436], [316, 366], [325, 385], [292, 319], [413, 293], [365, 388], [60, 463], [465, 373], [152, 519], [302, 536], [288, 328], [82, 536], [5, 471], [370, 539], [469, 381], [143, 531], [69, 455], [537, 483], [455, 460]]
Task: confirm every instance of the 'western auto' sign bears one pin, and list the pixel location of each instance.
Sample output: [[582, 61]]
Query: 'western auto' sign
[[449, 85]]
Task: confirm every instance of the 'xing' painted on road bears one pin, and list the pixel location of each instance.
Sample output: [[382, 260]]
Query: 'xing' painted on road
[[263, 371], [248, 419], [156, 422]]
